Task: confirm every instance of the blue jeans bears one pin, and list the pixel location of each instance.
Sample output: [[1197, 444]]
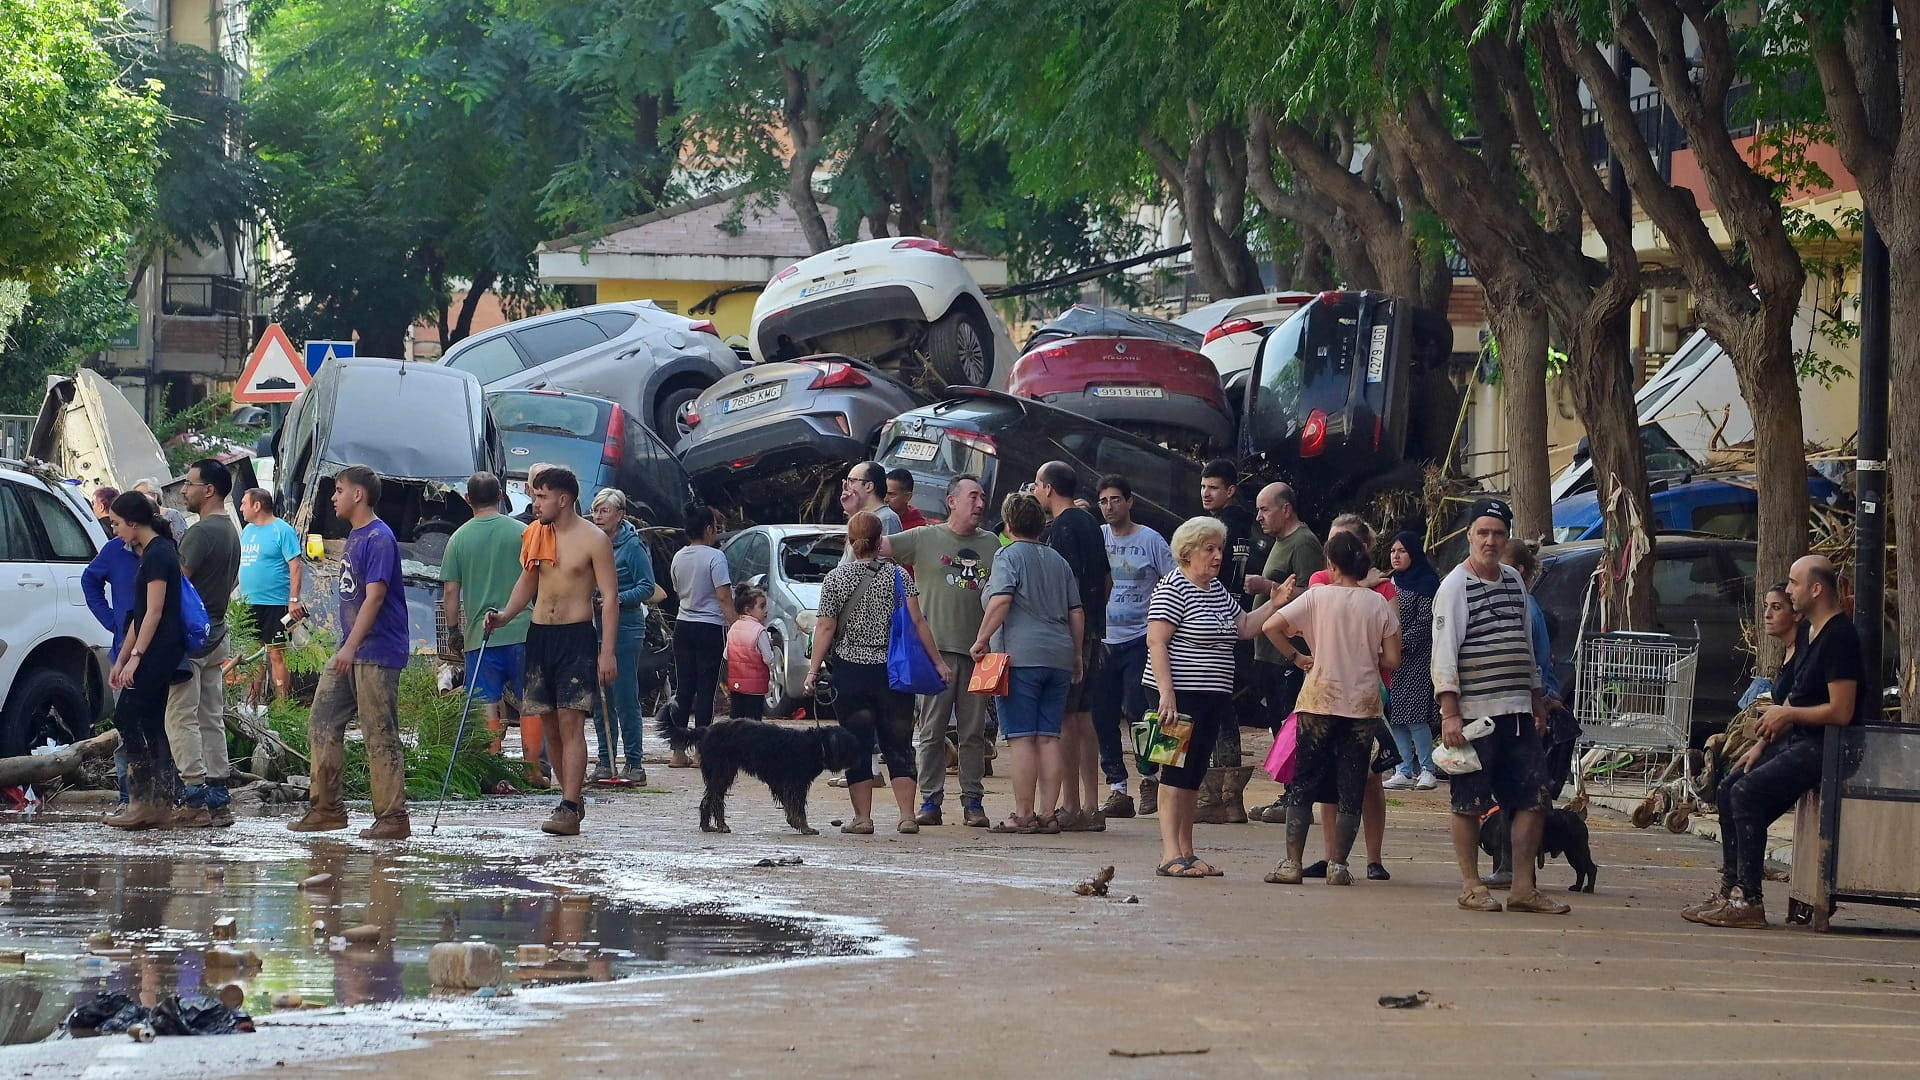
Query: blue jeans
[[1119, 698], [619, 713], [1036, 702], [1415, 743]]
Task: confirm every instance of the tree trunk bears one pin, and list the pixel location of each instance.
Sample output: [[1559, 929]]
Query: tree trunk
[[1903, 434], [1763, 362], [1602, 383], [469, 304], [1519, 321], [28, 769], [807, 130], [940, 196]]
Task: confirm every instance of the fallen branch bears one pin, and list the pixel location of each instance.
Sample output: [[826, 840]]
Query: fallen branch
[[1156, 1053], [31, 769]]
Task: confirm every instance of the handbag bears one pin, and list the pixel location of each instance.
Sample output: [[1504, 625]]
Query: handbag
[[1163, 741], [990, 675], [1286, 741], [909, 669]]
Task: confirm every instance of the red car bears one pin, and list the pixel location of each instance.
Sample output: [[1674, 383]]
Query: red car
[[1138, 373]]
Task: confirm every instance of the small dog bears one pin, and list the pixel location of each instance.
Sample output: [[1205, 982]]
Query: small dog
[[788, 760], [1564, 834]]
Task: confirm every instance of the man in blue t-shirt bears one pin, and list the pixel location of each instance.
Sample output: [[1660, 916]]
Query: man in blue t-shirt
[[270, 580], [1138, 558], [363, 678]]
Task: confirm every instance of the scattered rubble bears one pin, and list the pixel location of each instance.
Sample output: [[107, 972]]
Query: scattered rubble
[[1095, 885], [784, 860], [1405, 1001], [110, 1013]]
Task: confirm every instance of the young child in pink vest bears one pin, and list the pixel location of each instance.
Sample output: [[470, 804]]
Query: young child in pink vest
[[749, 657]]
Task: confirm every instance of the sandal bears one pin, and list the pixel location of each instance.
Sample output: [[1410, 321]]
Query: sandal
[[1180, 867], [859, 826], [1014, 824], [1211, 870], [1478, 899], [907, 825], [1538, 904], [1049, 825]]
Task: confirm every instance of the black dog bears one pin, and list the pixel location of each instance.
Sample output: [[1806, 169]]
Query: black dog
[[1564, 834], [788, 760]]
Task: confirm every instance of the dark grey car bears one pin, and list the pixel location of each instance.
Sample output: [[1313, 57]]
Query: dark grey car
[[651, 361], [754, 429]]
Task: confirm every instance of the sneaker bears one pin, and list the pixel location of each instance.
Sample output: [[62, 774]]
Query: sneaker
[[1692, 912], [318, 821], [929, 814], [1338, 874], [1096, 821], [1399, 781], [1736, 915], [564, 821], [636, 774], [838, 781], [192, 817], [1501, 880], [600, 772], [1427, 781], [395, 829], [222, 816], [1071, 820], [1537, 904], [1376, 872], [1478, 899], [1119, 804], [1317, 870], [1287, 873], [974, 815]]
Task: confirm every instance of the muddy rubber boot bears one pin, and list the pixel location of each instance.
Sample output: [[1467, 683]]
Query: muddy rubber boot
[[150, 802], [1149, 796], [1233, 794], [1209, 810]]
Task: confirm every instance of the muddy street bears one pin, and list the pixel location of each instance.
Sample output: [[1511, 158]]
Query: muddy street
[[671, 951]]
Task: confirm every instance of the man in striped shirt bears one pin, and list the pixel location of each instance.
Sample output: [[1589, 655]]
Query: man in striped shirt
[[1483, 667]]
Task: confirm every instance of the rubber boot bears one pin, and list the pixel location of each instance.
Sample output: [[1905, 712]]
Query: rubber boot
[[1209, 810], [1149, 796], [1233, 794], [150, 798]]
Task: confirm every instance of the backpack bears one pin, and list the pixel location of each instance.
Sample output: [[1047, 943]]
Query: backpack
[[193, 615]]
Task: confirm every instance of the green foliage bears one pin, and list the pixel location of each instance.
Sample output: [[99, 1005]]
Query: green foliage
[[203, 424], [76, 144], [79, 312]]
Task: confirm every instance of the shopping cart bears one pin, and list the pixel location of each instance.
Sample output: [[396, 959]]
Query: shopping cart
[[1633, 696]]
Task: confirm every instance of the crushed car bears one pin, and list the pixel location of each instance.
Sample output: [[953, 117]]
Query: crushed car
[[424, 429], [1134, 371]]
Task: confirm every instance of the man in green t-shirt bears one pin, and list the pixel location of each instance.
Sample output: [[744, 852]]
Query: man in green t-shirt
[[950, 564], [477, 574]]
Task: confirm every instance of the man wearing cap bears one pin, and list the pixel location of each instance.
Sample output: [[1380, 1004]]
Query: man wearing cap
[[1483, 667]]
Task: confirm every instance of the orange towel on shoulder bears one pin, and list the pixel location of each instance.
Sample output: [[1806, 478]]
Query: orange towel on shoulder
[[538, 545]]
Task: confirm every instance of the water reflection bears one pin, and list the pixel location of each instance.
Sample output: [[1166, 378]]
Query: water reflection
[[163, 910]]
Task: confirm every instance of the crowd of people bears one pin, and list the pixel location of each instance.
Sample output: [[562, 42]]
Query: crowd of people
[[1079, 629]]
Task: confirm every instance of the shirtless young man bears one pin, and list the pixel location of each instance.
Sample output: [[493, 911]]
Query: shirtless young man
[[563, 558]]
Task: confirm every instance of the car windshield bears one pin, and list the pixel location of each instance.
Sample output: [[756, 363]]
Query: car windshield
[[548, 414], [1276, 403], [807, 559], [1563, 534]]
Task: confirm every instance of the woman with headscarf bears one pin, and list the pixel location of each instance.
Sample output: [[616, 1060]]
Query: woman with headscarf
[[1410, 707]]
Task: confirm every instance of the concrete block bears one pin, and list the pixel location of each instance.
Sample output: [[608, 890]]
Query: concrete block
[[224, 928], [463, 965], [366, 934]]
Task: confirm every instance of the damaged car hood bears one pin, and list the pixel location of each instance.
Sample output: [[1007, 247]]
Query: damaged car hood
[[90, 431]]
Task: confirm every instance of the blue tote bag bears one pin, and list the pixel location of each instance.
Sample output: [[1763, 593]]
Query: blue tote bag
[[909, 668]]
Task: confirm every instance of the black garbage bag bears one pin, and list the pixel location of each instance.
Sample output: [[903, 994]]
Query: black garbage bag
[[106, 1013], [110, 1013]]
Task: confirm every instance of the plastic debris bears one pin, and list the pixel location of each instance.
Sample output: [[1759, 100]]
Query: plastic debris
[[784, 860], [1405, 1001], [111, 1013]]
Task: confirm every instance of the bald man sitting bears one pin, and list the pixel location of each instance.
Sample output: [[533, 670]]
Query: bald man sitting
[[1816, 689]]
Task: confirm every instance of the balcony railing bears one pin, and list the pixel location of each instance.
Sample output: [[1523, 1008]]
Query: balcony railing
[[205, 294]]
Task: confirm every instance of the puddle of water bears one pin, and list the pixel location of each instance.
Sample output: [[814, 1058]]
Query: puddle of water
[[164, 909]]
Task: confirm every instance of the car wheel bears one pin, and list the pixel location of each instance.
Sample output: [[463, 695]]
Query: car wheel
[[43, 705], [959, 346], [669, 414]]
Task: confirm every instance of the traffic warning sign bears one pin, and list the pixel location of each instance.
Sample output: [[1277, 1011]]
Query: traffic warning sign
[[275, 372]]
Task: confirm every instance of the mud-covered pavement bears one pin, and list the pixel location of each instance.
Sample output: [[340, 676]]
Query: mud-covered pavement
[[967, 953]]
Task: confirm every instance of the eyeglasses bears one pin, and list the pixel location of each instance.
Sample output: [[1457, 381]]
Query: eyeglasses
[[1112, 500], [846, 480], [1027, 488]]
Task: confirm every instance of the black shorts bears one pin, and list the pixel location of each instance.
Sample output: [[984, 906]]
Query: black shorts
[[1513, 770], [268, 624], [1080, 694], [562, 668], [1209, 710]]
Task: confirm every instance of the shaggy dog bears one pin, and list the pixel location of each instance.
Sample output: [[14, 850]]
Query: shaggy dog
[[789, 760], [1564, 834]]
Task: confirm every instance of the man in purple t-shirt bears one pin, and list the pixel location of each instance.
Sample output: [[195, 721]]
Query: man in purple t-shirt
[[363, 679]]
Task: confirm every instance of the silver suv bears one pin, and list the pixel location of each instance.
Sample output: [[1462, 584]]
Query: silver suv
[[53, 653], [651, 361]]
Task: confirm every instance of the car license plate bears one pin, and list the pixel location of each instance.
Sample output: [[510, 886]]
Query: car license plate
[[752, 397], [828, 286], [910, 450], [1129, 392], [1377, 355]]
